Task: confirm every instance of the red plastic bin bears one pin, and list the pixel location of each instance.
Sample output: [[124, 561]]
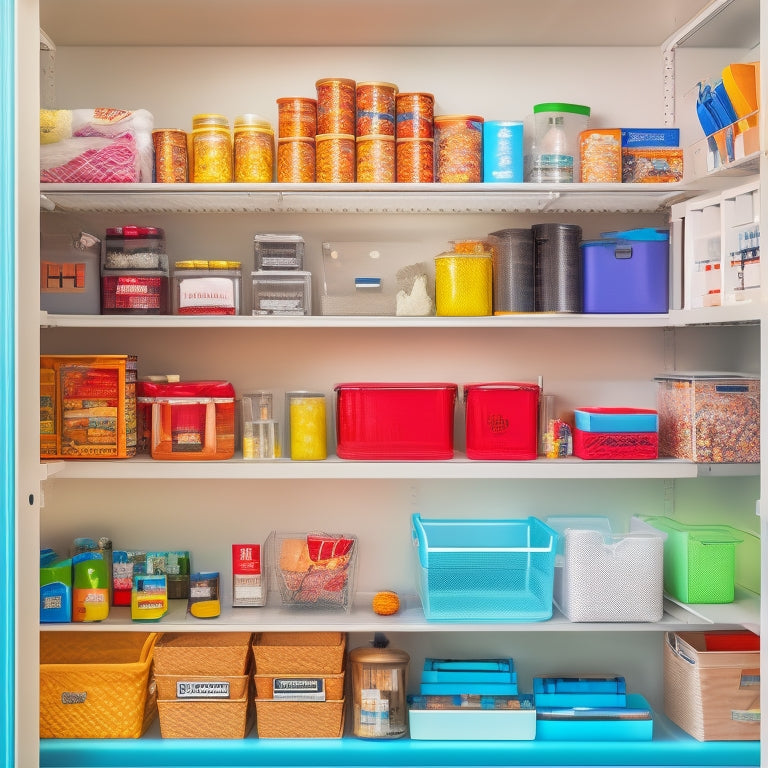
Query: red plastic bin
[[501, 420], [615, 445], [395, 421]]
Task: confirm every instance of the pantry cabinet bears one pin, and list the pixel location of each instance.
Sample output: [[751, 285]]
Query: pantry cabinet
[[490, 58]]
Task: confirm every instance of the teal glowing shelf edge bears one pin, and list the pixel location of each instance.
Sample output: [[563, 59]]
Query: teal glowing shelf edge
[[670, 746]]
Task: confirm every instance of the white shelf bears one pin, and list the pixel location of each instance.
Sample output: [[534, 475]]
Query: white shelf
[[750, 312], [145, 468], [363, 198], [276, 618]]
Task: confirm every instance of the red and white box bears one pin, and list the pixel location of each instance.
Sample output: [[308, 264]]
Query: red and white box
[[249, 586]]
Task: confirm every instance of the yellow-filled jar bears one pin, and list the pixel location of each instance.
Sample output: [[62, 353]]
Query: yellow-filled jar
[[306, 413], [254, 150], [463, 284], [211, 150]]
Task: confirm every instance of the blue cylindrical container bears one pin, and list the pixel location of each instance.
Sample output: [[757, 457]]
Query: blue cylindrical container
[[503, 151]]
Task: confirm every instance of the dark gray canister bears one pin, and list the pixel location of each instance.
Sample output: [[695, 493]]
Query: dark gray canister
[[513, 273], [558, 274]]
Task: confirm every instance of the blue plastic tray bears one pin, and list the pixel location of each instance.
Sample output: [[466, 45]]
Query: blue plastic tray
[[616, 419], [585, 725]]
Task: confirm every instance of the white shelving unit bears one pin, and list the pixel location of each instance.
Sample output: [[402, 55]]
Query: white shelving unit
[[490, 57]]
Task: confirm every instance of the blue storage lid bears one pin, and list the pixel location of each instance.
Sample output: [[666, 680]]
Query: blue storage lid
[[643, 233]]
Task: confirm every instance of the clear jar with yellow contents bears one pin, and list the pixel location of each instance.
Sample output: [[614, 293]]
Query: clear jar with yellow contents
[[211, 161], [463, 284], [254, 149]]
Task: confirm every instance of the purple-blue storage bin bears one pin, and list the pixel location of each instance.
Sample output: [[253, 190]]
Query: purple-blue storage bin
[[626, 272]]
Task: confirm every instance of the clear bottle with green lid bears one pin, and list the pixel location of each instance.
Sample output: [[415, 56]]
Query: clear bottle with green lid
[[552, 152]]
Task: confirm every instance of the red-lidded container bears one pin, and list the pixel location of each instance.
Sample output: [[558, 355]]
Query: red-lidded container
[[395, 421], [501, 420], [189, 420]]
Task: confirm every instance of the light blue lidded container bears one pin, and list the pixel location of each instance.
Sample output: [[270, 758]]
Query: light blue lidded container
[[503, 151]]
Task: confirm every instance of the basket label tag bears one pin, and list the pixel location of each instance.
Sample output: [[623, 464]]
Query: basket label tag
[[299, 688], [202, 690], [750, 678], [73, 697], [745, 715]]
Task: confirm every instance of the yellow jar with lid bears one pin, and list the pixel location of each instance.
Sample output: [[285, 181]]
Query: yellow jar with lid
[[463, 284], [254, 150], [211, 161]]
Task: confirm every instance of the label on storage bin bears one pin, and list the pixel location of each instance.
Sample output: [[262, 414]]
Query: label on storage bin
[[298, 688], [207, 292], [202, 690]]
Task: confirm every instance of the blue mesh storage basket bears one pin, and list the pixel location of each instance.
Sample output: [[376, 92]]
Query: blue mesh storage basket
[[485, 570]]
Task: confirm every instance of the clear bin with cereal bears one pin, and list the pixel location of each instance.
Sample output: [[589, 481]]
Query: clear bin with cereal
[[709, 417]]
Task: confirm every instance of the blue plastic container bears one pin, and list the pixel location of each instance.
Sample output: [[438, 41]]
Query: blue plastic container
[[631, 723], [503, 151], [627, 272], [579, 692], [616, 419], [485, 570]]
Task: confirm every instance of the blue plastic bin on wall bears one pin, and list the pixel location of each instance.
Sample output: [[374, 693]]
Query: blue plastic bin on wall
[[485, 570]]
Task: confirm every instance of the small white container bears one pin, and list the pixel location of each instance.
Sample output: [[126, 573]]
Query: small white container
[[207, 288], [552, 151]]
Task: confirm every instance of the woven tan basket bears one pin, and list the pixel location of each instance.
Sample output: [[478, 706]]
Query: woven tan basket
[[203, 653], [712, 695], [299, 719], [96, 685], [299, 653], [205, 719], [333, 685]]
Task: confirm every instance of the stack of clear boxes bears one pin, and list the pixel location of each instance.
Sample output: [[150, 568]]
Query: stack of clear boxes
[[280, 284]]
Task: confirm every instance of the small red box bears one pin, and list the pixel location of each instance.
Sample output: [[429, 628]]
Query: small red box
[[615, 445], [501, 420], [395, 421]]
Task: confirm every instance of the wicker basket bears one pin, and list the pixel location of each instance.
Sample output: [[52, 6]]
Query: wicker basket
[[299, 719], [712, 695], [96, 685], [203, 653], [333, 685], [180, 719], [299, 653]]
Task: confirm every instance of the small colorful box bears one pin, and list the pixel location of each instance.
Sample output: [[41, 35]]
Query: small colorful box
[[87, 406], [395, 421], [249, 586], [580, 691], [501, 420]]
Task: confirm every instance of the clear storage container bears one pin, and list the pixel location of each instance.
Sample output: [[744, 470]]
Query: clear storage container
[[553, 151], [207, 288]]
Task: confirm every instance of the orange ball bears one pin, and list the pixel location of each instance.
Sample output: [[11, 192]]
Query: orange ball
[[385, 603]]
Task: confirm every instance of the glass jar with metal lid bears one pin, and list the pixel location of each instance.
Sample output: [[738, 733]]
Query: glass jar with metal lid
[[379, 680], [211, 161]]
